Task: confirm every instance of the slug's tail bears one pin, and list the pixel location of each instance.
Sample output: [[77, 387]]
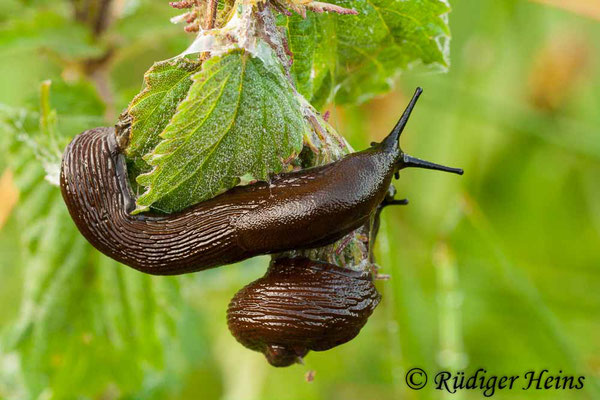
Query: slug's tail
[[391, 143]]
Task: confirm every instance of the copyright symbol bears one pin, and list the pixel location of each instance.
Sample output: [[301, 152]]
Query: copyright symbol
[[416, 378]]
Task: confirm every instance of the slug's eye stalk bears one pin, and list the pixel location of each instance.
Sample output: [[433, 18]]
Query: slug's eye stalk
[[392, 143]]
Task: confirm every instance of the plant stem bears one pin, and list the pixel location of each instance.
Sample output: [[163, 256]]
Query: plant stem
[[101, 79], [103, 17], [94, 13], [97, 15], [211, 14]]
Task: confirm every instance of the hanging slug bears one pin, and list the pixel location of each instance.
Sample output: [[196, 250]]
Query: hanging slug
[[301, 305], [298, 210]]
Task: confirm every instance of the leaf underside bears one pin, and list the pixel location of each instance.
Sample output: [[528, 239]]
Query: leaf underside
[[240, 118], [166, 85]]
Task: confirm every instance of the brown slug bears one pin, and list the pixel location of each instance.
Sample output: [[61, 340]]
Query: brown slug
[[298, 210], [301, 305]]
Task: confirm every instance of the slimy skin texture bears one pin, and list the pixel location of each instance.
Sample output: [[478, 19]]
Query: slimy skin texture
[[298, 210], [305, 209], [301, 305]]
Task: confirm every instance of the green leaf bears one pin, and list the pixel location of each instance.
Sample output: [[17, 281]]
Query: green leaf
[[368, 49], [314, 56], [302, 41], [166, 85], [241, 117]]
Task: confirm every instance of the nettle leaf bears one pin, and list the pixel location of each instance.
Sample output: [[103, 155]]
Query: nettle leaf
[[240, 118], [314, 59], [302, 42], [371, 48], [166, 85]]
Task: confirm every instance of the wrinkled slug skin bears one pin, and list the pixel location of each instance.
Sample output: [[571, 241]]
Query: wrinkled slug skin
[[298, 210], [301, 305]]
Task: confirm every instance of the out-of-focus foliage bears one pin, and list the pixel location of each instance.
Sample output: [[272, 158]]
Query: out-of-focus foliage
[[496, 269], [51, 31], [355, 57], [74, 300]]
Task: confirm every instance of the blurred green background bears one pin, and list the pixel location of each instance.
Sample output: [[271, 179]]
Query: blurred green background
[[498, 269]]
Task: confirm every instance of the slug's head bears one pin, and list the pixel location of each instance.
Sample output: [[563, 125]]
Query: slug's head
[[391, 144]]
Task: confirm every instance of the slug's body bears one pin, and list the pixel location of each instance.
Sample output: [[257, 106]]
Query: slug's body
[[298, 210], [301, 305]]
